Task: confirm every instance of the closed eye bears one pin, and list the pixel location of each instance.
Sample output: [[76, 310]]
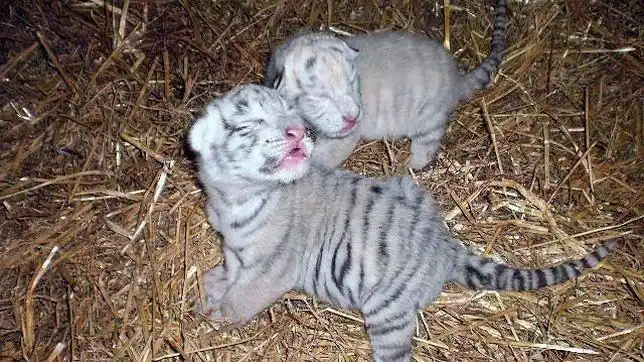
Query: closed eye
[[247, 128], [242, 130]]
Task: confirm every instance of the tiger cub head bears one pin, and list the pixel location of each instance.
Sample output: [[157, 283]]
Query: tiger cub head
[[250, 135], [317, 73]]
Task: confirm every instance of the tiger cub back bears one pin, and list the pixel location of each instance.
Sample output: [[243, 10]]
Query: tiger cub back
[[384, 84]]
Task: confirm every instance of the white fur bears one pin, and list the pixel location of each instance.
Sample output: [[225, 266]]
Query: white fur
[[400, 83], [266, 115]]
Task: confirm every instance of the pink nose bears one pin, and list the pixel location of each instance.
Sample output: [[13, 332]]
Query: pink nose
[[295, 133]]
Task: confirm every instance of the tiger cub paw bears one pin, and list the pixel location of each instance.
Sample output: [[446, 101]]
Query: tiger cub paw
[[215, 285]]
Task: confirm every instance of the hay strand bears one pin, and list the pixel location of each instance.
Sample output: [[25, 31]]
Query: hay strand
[[104, 238], [52, 57]]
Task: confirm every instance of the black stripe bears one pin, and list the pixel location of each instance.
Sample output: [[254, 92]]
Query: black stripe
[[310, 63], [318, 264], [278, 80], [315, 276], [329, 295], [258, 225], [586, 262], [366, 222], [345, 230], [326, 239], [470, 272], [402, 285], [320, 250], [334, 260], [346, 266], [518, 277], [228, 126], [382, 237], [336, 50], [365, 233], [415, 218], [345, 239], [387, 327], [236, 254], [241, 223], [542, 281], [556, 274], [389, 348], [361, 281], [399, 315], [569, 271], [501, 278]]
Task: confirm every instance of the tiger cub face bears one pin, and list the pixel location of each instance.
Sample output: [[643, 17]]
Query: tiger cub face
[[320, 78], [250, 135]]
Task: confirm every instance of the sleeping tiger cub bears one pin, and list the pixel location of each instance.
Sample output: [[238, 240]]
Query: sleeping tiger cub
[[384, 84], [377, 245]]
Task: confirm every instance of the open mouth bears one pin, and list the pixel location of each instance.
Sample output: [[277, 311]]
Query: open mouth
[[297, 152], [293, 157]]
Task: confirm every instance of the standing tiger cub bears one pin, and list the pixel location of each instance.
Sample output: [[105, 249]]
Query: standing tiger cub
[[377, 245], [387, 84]]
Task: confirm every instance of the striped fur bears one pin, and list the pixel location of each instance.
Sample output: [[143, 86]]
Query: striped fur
[[377, 245], [398, 84]]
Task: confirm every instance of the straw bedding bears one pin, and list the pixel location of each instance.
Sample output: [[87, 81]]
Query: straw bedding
[[103, 238]]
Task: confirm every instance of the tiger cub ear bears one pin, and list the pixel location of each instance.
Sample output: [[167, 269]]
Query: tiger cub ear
[[206, 130]]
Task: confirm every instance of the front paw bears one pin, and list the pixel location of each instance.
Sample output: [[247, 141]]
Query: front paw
[[215, 285], [218, 306], [418, 161]]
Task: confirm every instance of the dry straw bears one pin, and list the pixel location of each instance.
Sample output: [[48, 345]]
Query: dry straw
[[103, 239]]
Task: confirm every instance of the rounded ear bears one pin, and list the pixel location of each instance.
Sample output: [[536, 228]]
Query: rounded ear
[[207, 129]]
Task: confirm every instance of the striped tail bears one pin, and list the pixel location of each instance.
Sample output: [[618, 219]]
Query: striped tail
[[476, 272], [483, 75]]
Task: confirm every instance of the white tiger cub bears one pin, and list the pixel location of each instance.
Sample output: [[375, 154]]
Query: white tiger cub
[[375, 245], [396, 84]]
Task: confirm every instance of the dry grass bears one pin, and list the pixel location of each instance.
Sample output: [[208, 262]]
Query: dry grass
[[102, 232]]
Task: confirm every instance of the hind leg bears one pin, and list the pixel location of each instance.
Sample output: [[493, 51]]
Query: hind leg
[[390, 333]]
